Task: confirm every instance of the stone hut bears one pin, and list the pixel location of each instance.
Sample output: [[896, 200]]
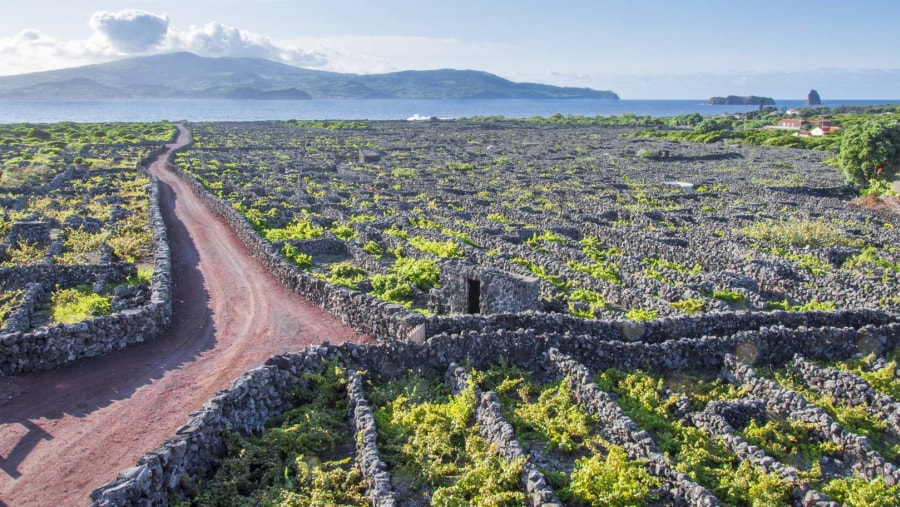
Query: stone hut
[[470, 289], [368, 156]]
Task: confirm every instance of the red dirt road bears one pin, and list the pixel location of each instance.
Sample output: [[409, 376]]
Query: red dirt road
[[65, 432]]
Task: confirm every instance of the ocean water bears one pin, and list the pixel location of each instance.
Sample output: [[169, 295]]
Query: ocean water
[[251, 110]]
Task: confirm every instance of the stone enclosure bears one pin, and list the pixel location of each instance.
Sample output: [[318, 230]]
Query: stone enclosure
[[65, 216], [572, 255]]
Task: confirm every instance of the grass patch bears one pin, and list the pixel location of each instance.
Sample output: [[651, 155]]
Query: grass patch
[[78, 304]]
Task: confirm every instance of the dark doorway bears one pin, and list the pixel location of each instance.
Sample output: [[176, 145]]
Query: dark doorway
[[474, 296]]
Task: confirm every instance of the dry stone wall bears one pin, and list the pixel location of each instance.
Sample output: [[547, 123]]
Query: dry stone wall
[[358, 310], [24, 350], [266, 392]]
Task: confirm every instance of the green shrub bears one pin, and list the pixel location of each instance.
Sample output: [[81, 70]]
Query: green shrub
[[392, 288], [689, 306], [870, 151], [612, 481], [857, 491], [301, 259], [284, 465], [78, 304], [343, 231], [423, 273], [729, 296], [345, 274], [800, 233], [402, 173], [443, 249], [639, 314], [299, 229], [8, 302], [374, 249]]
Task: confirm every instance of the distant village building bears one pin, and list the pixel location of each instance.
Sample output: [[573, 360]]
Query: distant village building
[[790, 123], [821, 122], [821, 131]]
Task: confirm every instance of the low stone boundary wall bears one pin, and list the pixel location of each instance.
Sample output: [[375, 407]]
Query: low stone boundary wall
[[19, 320], [716, 426], [369, 461], [621, 430], [252, 399], [493, 428], [358, 310], [847, 387], [265, 391], [656, 331], [857, 452], [56, 345]]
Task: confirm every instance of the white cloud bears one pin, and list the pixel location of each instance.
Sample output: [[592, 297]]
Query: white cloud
[[215, 39], [131, 31], [134, 33], [31, 51]]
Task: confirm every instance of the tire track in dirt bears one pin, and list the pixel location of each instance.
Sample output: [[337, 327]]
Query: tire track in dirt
[[65, 432]]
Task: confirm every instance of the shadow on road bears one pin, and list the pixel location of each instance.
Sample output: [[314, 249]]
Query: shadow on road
[[94, 383]]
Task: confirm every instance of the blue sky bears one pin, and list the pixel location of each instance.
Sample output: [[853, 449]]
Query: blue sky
[[639, 49]]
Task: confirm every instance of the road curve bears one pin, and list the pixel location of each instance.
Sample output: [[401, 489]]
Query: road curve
[[65, 432]]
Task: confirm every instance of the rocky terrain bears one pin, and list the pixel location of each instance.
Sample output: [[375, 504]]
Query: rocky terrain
[[718, 318]]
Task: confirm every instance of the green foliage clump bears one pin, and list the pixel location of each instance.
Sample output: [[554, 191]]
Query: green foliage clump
[[392, 288], [690, 450], [604, 270], [283, 466], [729, 296], [870, 256], [800, 233], [396, 232], [689, 306], [343, 231], [858, 491], [612, 481], [345, 274], [814, 305], [374, 249], [443, 249], [299, 229], [430, 444], [291, 253], [641, 315], [548, 236], [403, 173], [885, 380], [855, 419], [553, 418], [499, 218], [870, 151], [787, 440], [8, 302], [593, 300], [68, 306], [541, 273], [423, 273], [143, 276]]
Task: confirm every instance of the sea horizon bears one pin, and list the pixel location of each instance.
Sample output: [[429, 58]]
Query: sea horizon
[[199, 110]]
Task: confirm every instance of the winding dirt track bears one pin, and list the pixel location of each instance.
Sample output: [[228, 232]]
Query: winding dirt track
[[65, 432]]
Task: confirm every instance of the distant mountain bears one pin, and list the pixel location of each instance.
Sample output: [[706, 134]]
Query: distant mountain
[[186, 75], [734, 100]]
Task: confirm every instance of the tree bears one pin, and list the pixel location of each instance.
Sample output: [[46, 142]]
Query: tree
[[870, 151]]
